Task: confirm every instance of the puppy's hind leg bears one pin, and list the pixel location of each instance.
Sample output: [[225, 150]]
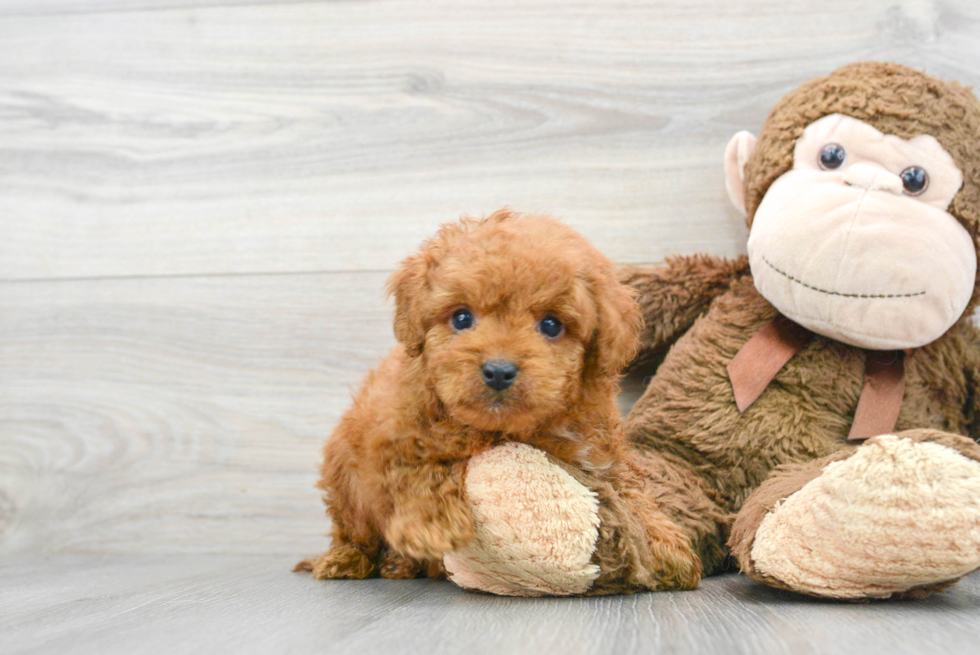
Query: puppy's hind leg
[[342, 561], [348, 558], [355, 544]]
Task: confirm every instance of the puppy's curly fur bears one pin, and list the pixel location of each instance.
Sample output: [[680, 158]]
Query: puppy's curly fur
[[393, 471]]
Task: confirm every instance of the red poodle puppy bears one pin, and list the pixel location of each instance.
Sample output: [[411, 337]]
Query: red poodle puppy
[[511, 329]]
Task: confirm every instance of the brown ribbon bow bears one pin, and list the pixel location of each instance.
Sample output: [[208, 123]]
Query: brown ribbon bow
[[769, 350]]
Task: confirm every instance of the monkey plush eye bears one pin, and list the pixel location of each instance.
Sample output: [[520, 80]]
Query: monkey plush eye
[[832, 156], [550, 326], [915, 180], [462, 320]]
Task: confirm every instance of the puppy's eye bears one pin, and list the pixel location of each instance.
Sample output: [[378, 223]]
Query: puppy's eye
[[462, 320], [550, 326], [915, 180], [832, 156]]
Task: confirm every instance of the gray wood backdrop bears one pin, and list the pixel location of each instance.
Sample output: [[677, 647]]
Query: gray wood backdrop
[[200, 202]]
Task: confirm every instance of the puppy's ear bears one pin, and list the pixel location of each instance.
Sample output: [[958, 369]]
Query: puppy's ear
[[617, 337], [408, 286]]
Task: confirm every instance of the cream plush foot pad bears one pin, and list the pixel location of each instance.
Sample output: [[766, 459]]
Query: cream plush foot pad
[[536, 527], [895, 515]]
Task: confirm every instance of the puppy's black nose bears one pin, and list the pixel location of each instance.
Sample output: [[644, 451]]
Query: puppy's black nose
[[499, 374]]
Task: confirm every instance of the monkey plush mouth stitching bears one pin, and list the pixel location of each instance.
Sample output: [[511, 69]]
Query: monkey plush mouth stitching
[[838, 293]]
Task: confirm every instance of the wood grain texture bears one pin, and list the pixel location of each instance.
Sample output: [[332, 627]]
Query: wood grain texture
[[199, 203], [177, 414], [336, 135], [43, 8], [205, 604]]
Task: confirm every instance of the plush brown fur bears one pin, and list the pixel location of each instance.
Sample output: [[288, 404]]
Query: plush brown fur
[[705, 309], [393, 471]]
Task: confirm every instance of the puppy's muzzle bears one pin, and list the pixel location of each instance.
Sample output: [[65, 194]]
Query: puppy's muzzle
[[499, 373]]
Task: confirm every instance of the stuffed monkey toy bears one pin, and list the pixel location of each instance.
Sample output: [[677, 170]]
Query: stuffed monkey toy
[[816, 405]]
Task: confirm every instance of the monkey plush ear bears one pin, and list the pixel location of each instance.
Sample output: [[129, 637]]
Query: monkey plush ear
[[408, 286], [736, 155]]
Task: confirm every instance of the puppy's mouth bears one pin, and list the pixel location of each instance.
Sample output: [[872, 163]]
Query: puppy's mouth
[[500, 406], [504, 411], [475, 401], [496, 402]]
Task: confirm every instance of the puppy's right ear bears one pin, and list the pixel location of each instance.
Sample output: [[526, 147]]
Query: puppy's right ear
[[408, 286]]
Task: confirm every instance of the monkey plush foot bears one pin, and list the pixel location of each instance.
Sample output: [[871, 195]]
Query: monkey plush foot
[[536, 527], [898, 516]]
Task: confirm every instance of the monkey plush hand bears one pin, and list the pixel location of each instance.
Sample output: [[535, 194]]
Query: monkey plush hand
[[826, 392]]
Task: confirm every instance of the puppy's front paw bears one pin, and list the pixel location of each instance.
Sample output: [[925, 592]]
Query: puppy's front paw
[[675, 564], [395, 566], [429, 537]]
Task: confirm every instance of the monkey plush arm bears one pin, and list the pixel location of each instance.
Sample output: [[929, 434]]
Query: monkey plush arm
[[971, 369], [544, 527], [673, 294]]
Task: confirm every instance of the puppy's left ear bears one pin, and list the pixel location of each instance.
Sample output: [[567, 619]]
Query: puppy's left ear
[[408, 286], [617, 337]]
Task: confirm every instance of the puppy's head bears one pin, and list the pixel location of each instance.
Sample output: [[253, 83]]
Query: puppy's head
[[515, 318]]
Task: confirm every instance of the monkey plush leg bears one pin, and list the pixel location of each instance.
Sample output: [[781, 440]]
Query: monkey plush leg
[[544, 528], [535, 527], [899, 516]]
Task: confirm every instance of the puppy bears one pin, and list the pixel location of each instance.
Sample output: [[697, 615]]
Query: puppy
[[510, 328]]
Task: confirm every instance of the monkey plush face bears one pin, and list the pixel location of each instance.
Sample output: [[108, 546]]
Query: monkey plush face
[[854, 242]]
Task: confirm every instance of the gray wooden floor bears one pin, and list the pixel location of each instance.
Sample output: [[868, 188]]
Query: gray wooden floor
[[138, 604], [199, 203]]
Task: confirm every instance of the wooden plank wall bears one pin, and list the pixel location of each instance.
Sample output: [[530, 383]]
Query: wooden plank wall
[[200, 201]]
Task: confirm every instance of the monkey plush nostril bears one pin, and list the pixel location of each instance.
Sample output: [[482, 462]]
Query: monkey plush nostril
[[872, 178], [499, 374]]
